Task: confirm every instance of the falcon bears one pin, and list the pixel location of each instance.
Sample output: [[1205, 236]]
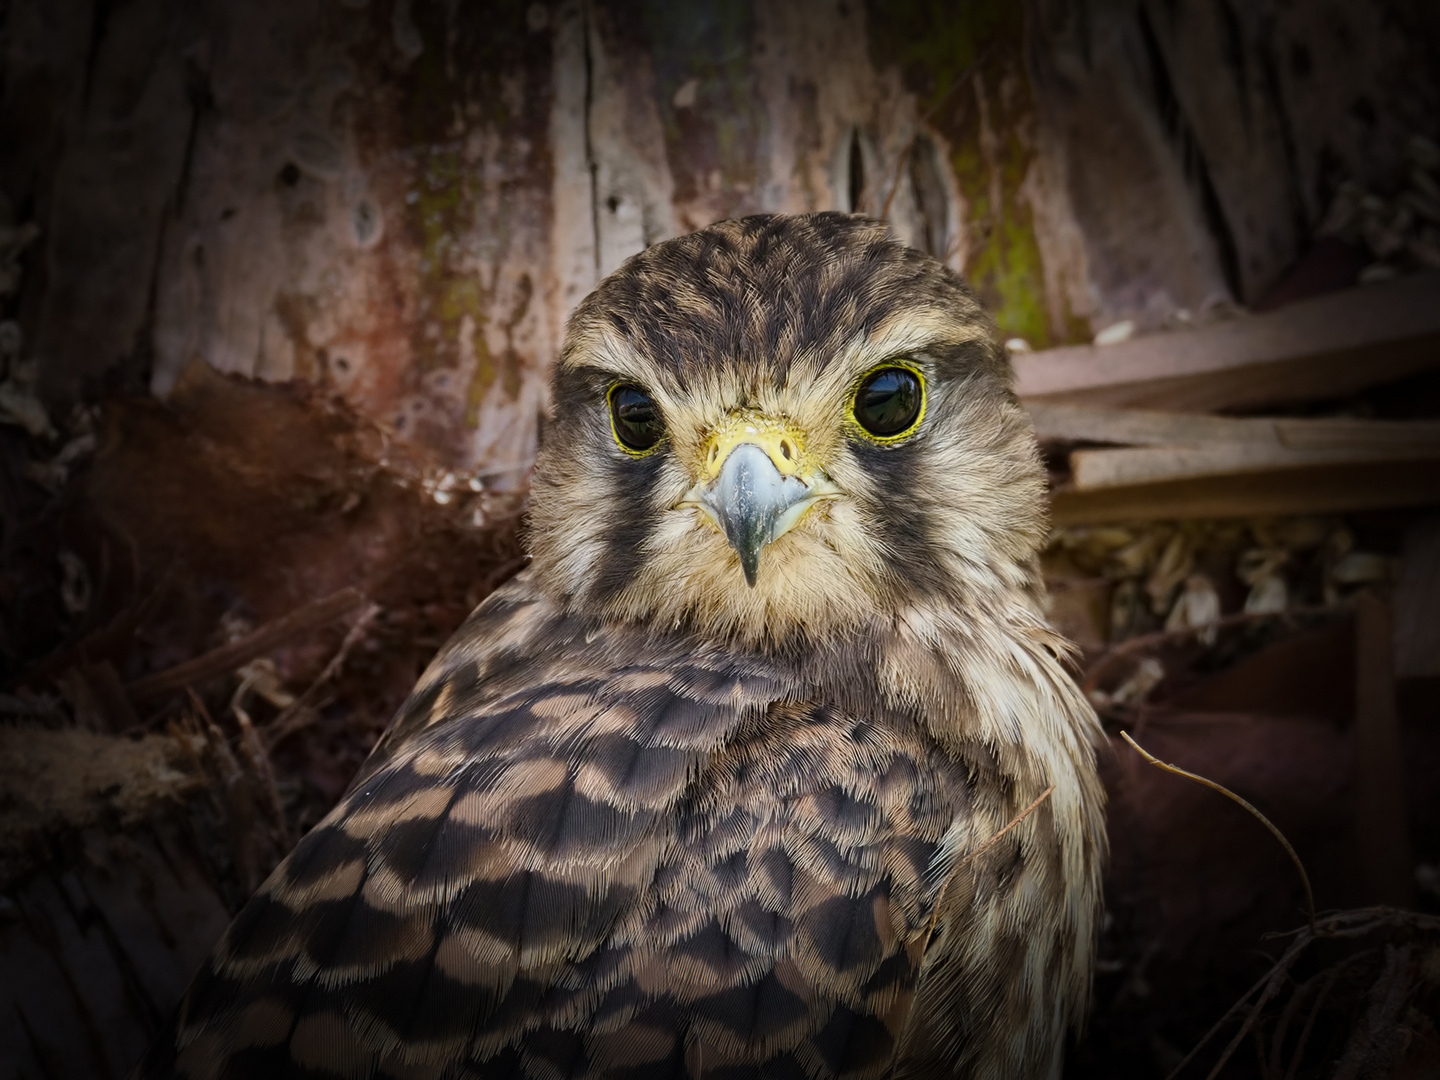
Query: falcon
[[731, 782]]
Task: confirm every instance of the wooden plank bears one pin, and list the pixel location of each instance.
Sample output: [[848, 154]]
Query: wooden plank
[[1386, 863], [226, 658], [1156, 427], [1141, 427], [1315, 489], [1324, 347], [1417, 600], [1370, 435], [1095, 469]]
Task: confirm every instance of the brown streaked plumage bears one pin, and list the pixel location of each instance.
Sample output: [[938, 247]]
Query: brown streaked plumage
[[642, 818]]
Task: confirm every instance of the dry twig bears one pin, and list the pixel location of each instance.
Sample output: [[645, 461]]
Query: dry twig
[[966, 861], [1344, 924], [301, 712], [1223, 790], [230, 656], [1168, 637], [981, 850]]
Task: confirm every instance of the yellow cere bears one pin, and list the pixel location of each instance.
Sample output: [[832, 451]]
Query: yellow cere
[[781, 442]]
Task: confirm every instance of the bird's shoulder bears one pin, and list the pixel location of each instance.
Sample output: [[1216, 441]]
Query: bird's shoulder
[[522, 654], [593, 845]]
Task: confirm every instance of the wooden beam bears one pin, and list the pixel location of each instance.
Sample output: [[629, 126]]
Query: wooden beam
[[1403, 438], [1327, 346], [1141, 427], [1092, 470], [1155, 427], [1386, 863], [1417, 600], [1313, 489]]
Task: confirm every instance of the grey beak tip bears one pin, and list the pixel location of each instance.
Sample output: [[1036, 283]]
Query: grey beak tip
[[747, 499]]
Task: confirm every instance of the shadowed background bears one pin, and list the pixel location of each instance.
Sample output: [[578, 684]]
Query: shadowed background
[[282, 281]]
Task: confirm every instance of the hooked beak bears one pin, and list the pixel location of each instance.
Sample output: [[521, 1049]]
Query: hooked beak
[[756, 487]]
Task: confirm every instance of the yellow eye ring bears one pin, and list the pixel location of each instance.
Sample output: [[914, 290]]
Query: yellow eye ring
[[635, 420], [889, 403]]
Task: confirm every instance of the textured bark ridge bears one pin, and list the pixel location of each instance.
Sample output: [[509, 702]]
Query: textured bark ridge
[[340, 240], [403, 200], [120, 863]]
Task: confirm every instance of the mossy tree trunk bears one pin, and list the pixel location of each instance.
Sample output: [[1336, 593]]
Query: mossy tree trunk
[[403, 199], [400, 201]]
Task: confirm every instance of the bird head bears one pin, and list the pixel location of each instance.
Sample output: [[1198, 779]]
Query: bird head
[[781, 426]]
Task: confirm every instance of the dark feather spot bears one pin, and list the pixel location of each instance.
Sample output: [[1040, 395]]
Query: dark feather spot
[[562, 1051], [846, 814], [514, 1011], [417, 1001], [784, 1067], [713, 837], [730, 873], [844, 932], [762, 1010], [505, 1064], [772, 929], [618, 1001], [270, 1062], [563, 823], [776, 866], [852, 1043], [659, 1016], [665, 922], [319, 854], [366, 937], [391, 786], [895, 972], [407, 847], [643, 772], [265, 926], [670, 717], [835, 866], [913, 855], [532, 910], [715, 949], [502, 729]]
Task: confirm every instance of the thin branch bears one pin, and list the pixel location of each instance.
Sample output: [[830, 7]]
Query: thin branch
[[950, 877], [1213, 786], [1167, 637], [959, 80], [1281, 966], [1330, 977], [1344, 924], [258, 756], [981, 850], [1272, 987], [1271, 1067], [230, 656], [300, 713]]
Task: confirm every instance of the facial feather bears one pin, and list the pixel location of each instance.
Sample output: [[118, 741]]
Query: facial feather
[[637, 810], [745, 317]]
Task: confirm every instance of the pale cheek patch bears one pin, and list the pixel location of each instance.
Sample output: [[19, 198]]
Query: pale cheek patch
[[829, 575], [814, 578], [983, 472]]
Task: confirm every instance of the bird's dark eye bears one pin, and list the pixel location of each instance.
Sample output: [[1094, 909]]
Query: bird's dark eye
[[636, 418], [889, 402]]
